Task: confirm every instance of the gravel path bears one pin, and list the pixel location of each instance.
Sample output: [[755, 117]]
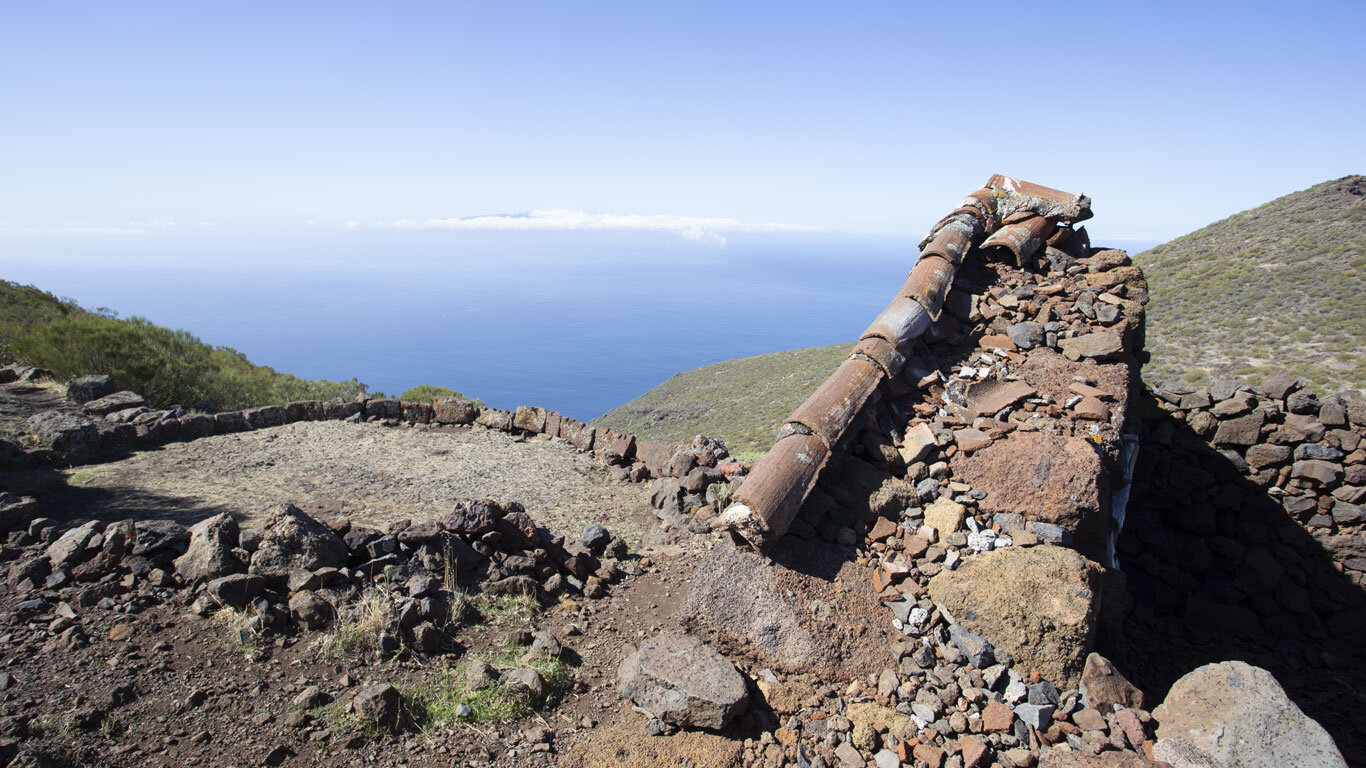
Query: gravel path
[[370, 473]]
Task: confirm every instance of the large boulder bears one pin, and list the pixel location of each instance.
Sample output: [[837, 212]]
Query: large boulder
[[119, 401], [1038, 604], [625, 742], [71, 548], [83, 389], [683, 681], [808, 609], [1241, 716], [1057, 758], [292, 540], [454, 410], [72, 435], [1047, 478], [16, 511], [210, 552]]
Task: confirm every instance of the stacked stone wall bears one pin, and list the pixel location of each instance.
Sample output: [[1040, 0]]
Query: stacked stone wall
[[122, 422]]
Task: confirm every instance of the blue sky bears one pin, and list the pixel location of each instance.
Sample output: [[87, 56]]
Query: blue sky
[[201, 120]]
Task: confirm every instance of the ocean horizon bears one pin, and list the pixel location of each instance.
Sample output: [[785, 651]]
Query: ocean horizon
[[579, 322]]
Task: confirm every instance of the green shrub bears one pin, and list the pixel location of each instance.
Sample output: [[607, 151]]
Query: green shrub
[[165, 366], [427, 393]]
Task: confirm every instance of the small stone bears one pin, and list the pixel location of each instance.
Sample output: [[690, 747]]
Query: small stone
[[973, 752], [997, 717], [1102, 345], [1036, 716], [378, 705], [310, 697], [971, 439], [1090, 720], [236, 590], [595, 537], [885, 758], [979, 652], [277, 756], [945, 516], [1026, 335], [527, 684]]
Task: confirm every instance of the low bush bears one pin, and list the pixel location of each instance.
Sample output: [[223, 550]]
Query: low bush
[[167, 367]]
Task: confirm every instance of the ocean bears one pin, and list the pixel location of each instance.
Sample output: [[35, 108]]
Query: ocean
[[579, 322]]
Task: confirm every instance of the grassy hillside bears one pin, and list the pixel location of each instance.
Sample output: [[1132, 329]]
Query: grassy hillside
[[1276, 288], [740, 402], [165, 366]]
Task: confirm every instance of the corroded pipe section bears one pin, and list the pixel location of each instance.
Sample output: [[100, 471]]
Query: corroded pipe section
[[888, 357], [1022, 237], [954, 238], [904, 318], [832, 407], [768, 500], [928, 286]]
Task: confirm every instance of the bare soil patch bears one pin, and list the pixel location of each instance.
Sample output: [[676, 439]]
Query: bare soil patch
[[370, 473]]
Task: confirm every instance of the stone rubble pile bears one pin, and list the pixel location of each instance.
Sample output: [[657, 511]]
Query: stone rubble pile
[[298, 574]]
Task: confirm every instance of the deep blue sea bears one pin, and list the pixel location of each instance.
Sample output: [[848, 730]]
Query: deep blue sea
[[579, 322]]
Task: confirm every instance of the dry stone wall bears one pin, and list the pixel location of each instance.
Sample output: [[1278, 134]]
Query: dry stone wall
[[122, 421]]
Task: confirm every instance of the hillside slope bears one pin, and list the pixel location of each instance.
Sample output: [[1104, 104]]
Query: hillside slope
[[168, 367], [1275, 288], [740, 402]]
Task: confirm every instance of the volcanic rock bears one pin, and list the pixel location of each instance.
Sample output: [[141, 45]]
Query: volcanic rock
[[210, 553], [292, 540], [1241, 716], [683, 681], [1038, 604]]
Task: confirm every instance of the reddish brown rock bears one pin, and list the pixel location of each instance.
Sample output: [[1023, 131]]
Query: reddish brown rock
[[988, 397], [882, 529], [997, 718], [1103, 687], [974, 752], [1047, 478], [1092, 408], [971, 439], [1090, 719], [931, 755], [997, 341]]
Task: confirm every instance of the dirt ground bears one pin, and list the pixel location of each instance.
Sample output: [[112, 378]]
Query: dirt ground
[[369, 473], [196, 696]]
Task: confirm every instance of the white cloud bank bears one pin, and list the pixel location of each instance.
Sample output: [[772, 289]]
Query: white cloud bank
[[711, 230]]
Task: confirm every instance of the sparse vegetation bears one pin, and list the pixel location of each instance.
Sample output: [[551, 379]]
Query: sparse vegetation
[[427, 393], [240, 632], [360, 625], [440, 701], [510, 611], [1275, 288], [739, 402], [165, 366]]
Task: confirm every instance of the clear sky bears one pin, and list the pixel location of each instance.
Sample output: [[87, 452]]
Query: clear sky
[[253, 118]]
